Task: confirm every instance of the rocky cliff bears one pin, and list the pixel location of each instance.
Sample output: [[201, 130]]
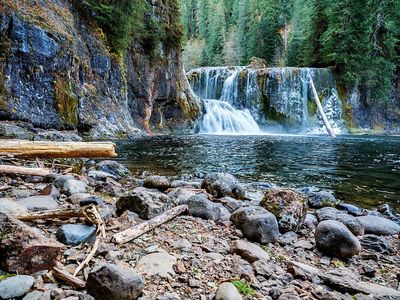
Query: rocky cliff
[[56, 71]]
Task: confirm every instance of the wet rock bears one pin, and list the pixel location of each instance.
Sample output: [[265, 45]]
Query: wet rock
[[73, 186], [110, 282], [376, 243], [387, 211], [379, 226], [112, 167], [96, 200], [321, 199], [223, 184], [15, 286], [351, 222], [158, 263], [100, 175], [36, 295], [38, 203], [352, 209], [227, 291], [288, 238], [75, 234], [256, 223], [335, 239], [9, 206], [180, 195], [199, 206], [249, 251], [231, 204], [147, 203], [160, 183], [289, 208], [302, 271]]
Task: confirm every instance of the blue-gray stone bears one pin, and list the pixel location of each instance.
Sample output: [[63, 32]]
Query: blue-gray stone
[[75, 234], [15, 286]]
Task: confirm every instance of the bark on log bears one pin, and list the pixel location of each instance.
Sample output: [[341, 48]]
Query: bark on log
[[25, 250], [60, 213], [49, 149], [137, 230], [68, 278], [24, 171]]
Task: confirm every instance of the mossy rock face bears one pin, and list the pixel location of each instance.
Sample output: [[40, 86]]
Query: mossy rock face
[[289, 208], [65, 102]]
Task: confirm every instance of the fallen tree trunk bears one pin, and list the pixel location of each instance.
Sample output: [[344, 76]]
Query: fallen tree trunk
[[5, 169], [25, 250], [137, 230], [49, 149]]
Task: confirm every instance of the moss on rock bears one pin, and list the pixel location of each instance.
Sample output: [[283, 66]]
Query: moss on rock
[[65, 101]]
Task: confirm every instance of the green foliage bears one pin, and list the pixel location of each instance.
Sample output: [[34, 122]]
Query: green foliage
[[5, 276], [243, 288]]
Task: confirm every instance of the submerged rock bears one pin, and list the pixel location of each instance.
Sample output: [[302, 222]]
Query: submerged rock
[[227, 291], [200, 206], [75, 234], [223, 184], [147, 203], [335, 239], [256, 223], [157, 182], [289, 207], [379, 226], [110, 282], [15, 286]]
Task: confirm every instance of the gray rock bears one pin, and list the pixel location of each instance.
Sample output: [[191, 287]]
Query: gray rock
[[147, 203], [249, 251], [96, 200], [376, 243], [223, 184], [73, 186], [20, 193], [12, 130], [321, 199], [60, 180], [182, 244], [36, 295], [38, 203], [169, 296], [231, 204], [9, 206], [378, 225], [158, 263], [110, 282], [180, 195], [227, 291], [54, 135], [52, 191], [335, 239], [256, 223], [352, 209], [78, 197], [112, 167], [188, 184], [263, 268], [15, 286], [351, 222], [288, 238], [289, 207], [199, 206], [160, 183], [302, 271], [75, 234], [100, 175]]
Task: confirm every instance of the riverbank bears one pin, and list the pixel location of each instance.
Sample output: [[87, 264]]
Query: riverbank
[[216, 241]]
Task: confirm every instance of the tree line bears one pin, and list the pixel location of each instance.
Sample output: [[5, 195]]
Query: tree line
[[359, 40]]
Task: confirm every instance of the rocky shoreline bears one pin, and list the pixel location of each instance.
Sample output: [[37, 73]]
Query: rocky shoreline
[[293, 244]]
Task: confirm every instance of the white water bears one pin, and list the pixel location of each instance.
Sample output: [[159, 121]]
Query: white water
[[221, 118]]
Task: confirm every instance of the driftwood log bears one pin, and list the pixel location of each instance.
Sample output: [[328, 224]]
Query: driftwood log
[[137, 230], [66, 277], [49, 149], [25, 250], [5, 169]]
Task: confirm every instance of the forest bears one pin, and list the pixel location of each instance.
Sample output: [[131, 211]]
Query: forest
[[357, 39]]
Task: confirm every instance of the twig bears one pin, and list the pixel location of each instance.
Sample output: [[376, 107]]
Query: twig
[[89, 257], [68, 278]]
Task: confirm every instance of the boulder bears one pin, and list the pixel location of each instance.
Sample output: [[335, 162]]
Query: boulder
[[289, 207], [223, 184], [249, 251], [11, 207], [110, 282], [15, 286], [24, 249], [321, 199], [378, 225], [112, 167], [160, 183], [335, 239], [256, 223], [147, 203], [199, 206], [227, 291], [351, 222], [38, 203], [75, 234]]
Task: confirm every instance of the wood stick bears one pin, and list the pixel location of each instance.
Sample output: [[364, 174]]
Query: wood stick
[[68, 278], [61, 213], [89, 257], [24, 170], [50, 149], [320, 109], [137, 230]]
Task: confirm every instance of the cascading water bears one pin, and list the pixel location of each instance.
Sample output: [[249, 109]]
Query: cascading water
[[277, 98]]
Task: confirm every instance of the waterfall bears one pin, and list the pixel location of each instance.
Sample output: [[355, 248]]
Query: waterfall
[[222, 118], [274, 97]]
